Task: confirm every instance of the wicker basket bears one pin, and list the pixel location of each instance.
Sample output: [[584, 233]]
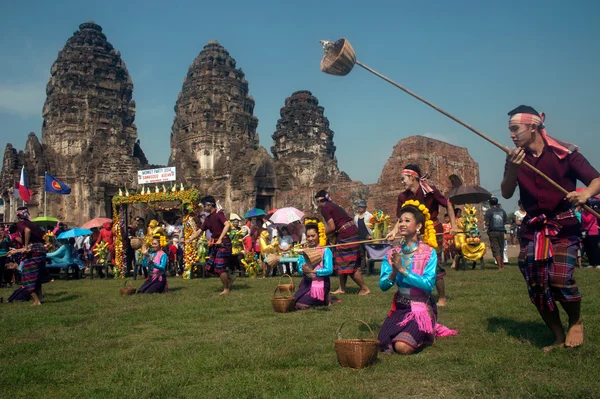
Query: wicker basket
[[286, 287], [356, 353], [282, 304], [339, 59], [128, 289], [272, 260], [312, 256], [136, 243]]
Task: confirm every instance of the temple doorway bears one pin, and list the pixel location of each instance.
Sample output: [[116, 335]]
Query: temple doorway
[[264, 202]]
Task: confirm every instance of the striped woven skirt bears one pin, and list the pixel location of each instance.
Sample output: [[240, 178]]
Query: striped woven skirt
[[393, 330], [32, 262], [218, 260], [551, 279], [346, 258], [155, 284], [302, 296]]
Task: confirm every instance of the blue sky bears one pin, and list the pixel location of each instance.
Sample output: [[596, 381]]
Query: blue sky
[[475, 59]]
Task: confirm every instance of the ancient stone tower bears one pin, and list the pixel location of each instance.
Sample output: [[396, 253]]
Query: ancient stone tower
[[214, 123], [304, 141], [89, 97], [88, 134]]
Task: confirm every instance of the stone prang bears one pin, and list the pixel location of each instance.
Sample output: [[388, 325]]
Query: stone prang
[[304, 141], [88, 134], [214, 119], [89, 97]]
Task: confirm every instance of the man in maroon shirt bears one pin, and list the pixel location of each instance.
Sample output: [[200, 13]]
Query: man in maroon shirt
[[416, 188], [550, 231], [219, 244], [346, 258]]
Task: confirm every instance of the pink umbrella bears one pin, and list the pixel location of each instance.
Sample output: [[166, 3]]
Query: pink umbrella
[[286, 216], [96, 222]]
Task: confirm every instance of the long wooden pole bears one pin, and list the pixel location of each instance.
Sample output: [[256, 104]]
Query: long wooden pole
[[354, 243], [477, 132]]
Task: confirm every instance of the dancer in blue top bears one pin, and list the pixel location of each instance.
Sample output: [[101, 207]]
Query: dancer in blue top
[[412, 322], [156, 262], [315, 286]]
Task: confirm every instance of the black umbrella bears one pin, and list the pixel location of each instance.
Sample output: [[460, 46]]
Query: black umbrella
[[469, 195]]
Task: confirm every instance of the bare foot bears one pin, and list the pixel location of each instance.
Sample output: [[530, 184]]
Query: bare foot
[[364, 292], [338, 292], [225, 292], [575, 335], [441, 302], [555, 345], [36, 304]]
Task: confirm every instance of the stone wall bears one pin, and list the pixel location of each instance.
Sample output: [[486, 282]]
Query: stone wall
[[438, 158]]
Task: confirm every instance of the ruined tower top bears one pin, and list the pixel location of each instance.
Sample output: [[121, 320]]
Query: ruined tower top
[[214, 116], [89, 97], [304, 141]]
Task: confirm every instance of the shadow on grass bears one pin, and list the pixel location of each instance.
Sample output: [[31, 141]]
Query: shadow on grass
[[175, 289], [236, 287], [67, 298], [535, 332]]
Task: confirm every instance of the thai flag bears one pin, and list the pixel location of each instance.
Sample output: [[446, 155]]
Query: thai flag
[[21, 186]]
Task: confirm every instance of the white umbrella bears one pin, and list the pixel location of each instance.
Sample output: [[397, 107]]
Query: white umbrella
[[287, 215]]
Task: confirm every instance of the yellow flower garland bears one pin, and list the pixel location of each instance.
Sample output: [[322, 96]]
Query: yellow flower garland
[[190, 254], [429, 236]]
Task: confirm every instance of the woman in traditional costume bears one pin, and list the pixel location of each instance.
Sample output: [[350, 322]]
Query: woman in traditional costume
[[156, 262], [417, 188], [33, 258], [315, 286], [412, 321]]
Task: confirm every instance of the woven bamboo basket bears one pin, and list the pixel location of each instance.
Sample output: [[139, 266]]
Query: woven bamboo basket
[[136, 243], [286, 287], [356, 353], [312, 256], [282, 304], [272, 260], [129, 289], [338, 59]]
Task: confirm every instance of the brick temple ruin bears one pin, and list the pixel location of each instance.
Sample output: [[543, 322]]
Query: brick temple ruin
[[90, 141]]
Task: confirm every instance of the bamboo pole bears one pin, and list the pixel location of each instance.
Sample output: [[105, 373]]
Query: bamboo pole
[[477, 132]]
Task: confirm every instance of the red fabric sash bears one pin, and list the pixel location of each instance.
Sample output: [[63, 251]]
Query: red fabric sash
[[545, 229]]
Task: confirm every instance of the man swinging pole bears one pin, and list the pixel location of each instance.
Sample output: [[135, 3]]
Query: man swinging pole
[[550, 231]]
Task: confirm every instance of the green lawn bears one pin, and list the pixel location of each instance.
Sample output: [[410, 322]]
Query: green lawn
[[87, 341]]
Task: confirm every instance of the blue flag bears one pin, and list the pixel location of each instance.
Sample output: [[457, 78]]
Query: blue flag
[[53, 185]]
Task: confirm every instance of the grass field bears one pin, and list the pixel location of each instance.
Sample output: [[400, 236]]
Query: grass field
[[86, 341]]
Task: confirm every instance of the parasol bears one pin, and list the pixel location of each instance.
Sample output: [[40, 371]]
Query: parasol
[[339, 58], [469, 195], [45, 220], [254, 212], [76, 232], [96, 222], [287, 215]]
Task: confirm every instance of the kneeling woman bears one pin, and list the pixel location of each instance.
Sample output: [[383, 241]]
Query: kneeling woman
[[314, 288], [412, 321], [156, 262]]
